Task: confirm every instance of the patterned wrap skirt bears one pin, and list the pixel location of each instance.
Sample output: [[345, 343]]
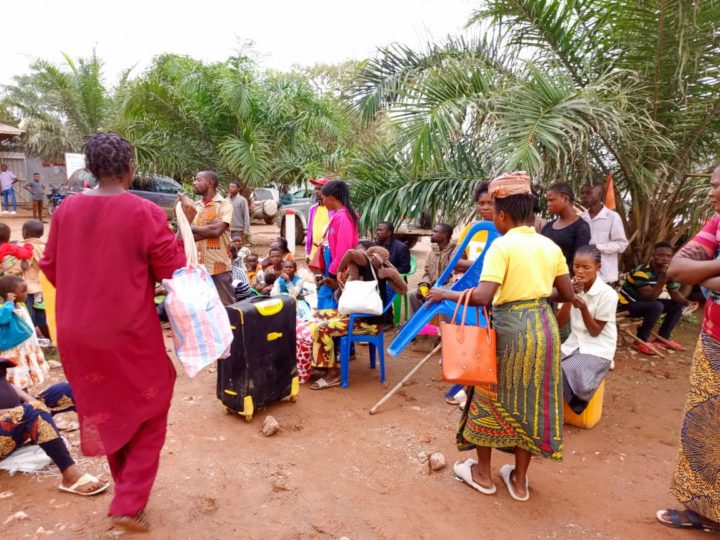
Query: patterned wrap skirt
[[524, 410], [696, 481]]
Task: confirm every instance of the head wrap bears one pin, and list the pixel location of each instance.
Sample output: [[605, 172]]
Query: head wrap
[[509, 184]]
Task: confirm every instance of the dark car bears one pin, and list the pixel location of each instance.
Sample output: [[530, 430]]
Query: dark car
[[162, 190]]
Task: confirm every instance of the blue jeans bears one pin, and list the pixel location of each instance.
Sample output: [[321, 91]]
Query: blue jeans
[[10, 192]]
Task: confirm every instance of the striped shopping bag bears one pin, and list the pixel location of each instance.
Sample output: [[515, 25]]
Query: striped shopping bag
[[199, 321]]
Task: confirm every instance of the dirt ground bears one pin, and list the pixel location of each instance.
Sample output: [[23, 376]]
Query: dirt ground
[[334, 471]]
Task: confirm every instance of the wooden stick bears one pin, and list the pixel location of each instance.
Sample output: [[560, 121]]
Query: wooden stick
[[635, 338], [404, 380]]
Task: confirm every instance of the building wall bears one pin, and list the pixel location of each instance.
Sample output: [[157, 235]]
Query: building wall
[[24, 167]]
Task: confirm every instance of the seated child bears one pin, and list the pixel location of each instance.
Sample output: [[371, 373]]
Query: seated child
[[290, 283], [588, 352], [10, 254], [251, 268], [282, 244], [274, 268], [240, 281], [24, 418], [32, 232], [18, 342]]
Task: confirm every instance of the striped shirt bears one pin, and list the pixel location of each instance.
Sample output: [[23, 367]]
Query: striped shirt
[[642, 276]]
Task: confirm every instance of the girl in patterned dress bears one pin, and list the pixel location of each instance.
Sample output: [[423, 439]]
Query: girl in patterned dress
[[30, 365]]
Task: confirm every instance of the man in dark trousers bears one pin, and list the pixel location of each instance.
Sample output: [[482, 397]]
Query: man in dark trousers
[[648, 293], [399, 252]]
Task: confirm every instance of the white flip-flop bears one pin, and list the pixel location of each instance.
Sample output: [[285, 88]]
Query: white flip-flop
[[463, 470], [82, 481], [506, 473]]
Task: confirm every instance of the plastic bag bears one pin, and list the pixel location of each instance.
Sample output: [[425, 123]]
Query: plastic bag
[[200, 325]]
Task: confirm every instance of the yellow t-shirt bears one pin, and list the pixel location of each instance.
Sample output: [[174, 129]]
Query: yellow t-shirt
[[476, 245], [524, 264], [321, 219]]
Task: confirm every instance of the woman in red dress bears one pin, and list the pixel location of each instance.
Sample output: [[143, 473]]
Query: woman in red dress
[[107, 249]]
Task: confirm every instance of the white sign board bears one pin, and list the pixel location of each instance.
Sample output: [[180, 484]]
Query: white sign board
[[73, 162]]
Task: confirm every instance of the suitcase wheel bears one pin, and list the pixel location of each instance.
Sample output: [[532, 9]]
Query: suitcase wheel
[[293, 399], [227, 411], [248, 418]]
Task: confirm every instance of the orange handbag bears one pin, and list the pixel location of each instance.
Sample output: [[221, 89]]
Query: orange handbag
[[469, 354]]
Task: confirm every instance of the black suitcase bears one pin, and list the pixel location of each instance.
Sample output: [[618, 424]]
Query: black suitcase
[[261, 368]]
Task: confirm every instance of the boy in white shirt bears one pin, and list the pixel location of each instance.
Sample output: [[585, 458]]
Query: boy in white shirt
[[588, 352]]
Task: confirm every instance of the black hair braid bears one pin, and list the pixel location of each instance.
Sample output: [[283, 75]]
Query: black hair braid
[[518, 207], [341, 191], [591, 250], [107, 154], [563, 188]]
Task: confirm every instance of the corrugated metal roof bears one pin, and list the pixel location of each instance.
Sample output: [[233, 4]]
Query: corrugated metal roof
[[9, 131]]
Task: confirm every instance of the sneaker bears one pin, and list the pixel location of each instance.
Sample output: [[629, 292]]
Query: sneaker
[[670, 344], [5, 212], [645, 348], [13, 212], [612, 365]]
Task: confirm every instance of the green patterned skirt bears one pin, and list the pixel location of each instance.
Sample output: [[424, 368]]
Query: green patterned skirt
[[525, 409]]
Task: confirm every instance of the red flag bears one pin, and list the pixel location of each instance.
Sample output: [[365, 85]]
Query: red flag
[[610, 193]]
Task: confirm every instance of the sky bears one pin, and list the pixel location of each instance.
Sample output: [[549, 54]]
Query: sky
[[128, 33]]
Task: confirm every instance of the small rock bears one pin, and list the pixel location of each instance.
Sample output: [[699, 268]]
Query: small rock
[[17, 516], [6, 494], [270, 426], [42, 530], [424, 438], [437, 461], [54, 364], [344, 538]]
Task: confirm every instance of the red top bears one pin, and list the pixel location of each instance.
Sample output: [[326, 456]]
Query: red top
[[342, 236], [104, 256], [709, 239], [17, 251]]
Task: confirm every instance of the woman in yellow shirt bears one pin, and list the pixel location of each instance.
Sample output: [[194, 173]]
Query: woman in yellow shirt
[[522, 414]]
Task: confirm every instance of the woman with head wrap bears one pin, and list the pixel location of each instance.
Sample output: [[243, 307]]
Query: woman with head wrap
[[522, 414]]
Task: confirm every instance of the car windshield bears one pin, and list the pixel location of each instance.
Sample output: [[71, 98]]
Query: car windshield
[[263, 195]]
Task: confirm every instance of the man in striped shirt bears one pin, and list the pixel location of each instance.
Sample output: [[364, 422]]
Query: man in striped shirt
[[648, 293]]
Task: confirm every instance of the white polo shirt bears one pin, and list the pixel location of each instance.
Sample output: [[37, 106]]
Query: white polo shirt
[[602, 301]]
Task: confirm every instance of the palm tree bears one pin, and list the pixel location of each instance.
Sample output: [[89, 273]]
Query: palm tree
[[59, 106], [567, 90], [183, 115]]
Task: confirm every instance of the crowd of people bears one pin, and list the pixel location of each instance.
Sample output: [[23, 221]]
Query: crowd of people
[[554, 289]]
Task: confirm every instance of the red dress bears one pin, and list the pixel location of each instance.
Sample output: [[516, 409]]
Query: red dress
[[104, 255]]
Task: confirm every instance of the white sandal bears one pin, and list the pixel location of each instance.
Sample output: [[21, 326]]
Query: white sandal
[[83, 481], [506, 474], [463, 470]]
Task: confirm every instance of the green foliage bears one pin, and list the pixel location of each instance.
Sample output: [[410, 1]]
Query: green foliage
[[568, 90]]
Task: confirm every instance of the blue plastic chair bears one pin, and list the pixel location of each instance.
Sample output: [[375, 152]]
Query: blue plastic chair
[[469, 280], [376, 343]]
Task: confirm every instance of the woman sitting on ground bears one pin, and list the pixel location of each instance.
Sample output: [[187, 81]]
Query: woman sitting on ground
[[25, 418], [330, 325], [589, 349]]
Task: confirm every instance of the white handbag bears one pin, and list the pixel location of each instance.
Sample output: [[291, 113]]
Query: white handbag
[[361, 297]]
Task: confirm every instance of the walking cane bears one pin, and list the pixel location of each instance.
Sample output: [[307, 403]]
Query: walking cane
[[405, 379]]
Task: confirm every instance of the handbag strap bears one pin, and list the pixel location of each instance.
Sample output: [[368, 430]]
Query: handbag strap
[[186, 234], [457, 306]]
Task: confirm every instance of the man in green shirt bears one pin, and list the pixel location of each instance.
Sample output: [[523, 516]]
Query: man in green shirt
[[648, 293]]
